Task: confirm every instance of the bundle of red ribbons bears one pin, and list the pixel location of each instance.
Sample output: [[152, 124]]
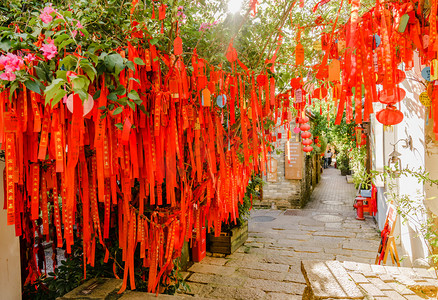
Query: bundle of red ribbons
[[154, 178]]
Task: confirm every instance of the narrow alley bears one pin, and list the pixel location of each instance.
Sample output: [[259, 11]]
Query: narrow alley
[[268, 265]]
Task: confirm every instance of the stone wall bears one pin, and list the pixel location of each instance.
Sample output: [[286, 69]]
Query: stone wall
[[290, 193]]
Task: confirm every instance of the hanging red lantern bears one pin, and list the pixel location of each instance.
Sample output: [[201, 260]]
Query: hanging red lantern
[[400, 76], [307, 142], [306, 134], [389, 116], [397, 95], [308, 149], [305, 127], [305, 119], [295, 83], [320, 93]]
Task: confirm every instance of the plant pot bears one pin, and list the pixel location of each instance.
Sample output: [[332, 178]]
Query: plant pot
[[228, 242], [345, 172]]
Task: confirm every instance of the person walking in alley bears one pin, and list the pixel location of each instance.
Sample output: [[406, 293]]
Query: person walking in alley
[[328, 159]]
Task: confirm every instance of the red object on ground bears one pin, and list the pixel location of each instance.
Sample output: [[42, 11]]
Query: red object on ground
[[199, 249], [359, 208]]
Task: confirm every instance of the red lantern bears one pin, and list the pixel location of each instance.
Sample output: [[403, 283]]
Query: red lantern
[[306, 134], [319, 145], [320, 93], [308, 149], [399, 76], [397, 95], [305, 119], [389, 116], [305, 127], [295, 83], [307, 142]]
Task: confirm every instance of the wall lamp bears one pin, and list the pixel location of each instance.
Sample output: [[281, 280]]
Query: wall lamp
[[394, 161]]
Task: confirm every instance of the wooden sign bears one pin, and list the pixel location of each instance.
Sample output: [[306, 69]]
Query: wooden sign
[[387, 244], [272, 175], [293, 161]]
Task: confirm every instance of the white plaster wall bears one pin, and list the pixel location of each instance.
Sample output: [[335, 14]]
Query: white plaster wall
[[412, 241], [10, 277]]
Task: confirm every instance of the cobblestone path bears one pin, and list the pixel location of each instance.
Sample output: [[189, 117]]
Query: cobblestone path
[[268, 265]]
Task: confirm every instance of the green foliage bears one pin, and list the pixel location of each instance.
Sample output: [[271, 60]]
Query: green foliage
[[343, 162], [70, 274], [361, 177]]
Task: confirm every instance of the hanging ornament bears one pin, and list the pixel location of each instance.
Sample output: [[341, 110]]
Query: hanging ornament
[[306, 134], [305, 127], [389, 116], [396, 96], [425, 99], [308, 149]]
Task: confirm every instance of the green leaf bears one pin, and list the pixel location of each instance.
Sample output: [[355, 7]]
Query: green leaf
[[102, 107], [153, 41], [135, 79], [112, 97], [114, 63], [122, 101], [54, 90], [130, 65], [65, 43], [131, 105], [143, 109], [96, 95], [5, 45], [117, 111], [139, 61], [133, 95], [119, 125], [13, 87], [80, 82], [120, 90], [88, 69], [61, 74], [41, 74], [33, 86], [58, 96], [59, 39], [69, 62]]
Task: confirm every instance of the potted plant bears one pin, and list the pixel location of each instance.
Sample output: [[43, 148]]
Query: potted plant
[[233, 235], [343, 163]]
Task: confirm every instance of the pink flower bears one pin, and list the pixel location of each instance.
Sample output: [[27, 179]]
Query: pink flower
[[49, 49], [45, 16], [8, 76], [30, 57]]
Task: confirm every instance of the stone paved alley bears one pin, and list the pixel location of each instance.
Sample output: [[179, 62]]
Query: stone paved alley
[[268, 265]]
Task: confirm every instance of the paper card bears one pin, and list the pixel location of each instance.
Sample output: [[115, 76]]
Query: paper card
[[299, 54], [206, 97], [334, 70]]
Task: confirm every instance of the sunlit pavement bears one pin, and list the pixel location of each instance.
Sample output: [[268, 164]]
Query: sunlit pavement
[[268, 265]]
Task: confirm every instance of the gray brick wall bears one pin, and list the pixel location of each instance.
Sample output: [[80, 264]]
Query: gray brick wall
[[287, 193]]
